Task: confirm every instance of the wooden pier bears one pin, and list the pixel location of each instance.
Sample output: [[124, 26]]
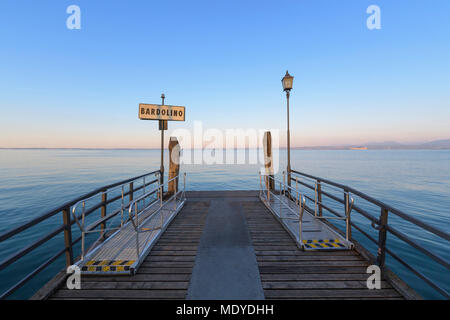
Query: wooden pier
[[285, 271], [164, 274], [291, 239], [218, 245]]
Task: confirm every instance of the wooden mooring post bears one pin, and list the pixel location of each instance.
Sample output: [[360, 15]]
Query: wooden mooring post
[[268, 160], [68, 236], [174, 167]]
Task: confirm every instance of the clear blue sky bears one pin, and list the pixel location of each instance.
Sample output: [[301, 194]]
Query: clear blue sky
[[224, 61]]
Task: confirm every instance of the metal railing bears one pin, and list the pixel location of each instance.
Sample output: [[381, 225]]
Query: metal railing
[[162, 204], [267, 194], [316, 185], [129, 188]]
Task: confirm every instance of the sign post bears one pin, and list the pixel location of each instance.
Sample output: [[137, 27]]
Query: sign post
[[162, 126], [163, 114]]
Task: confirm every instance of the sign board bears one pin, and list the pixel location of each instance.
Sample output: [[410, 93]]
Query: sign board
[[160, 112]]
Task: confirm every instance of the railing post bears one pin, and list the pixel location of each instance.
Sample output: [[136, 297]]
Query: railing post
[[175, 200], [319, 197], [161, 205], [281, 209], [315, 199], [103, 213], [300, 219], [131, 192], [68, 236], [121, 207], [348, 226], [260, 184], [137, 232], [83, 235], [143, 189], [382, 238]]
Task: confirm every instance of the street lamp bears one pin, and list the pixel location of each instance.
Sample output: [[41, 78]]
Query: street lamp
[[287, 86]]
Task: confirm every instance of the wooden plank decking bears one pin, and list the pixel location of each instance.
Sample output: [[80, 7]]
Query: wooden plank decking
[[289, 273], [285, 271], [165, 273]]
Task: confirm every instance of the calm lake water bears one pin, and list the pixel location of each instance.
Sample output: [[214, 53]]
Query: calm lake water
[[414, 181]]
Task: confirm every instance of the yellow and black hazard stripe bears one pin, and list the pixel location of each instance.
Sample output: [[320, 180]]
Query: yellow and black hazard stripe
[[107, 265], [323, 243]]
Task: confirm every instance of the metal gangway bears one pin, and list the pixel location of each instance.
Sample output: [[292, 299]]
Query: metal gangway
[[310, 230], [142, 223]]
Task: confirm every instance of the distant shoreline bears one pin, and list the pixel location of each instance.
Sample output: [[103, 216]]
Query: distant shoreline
[[388, 145], [372, 148], [282, 148]]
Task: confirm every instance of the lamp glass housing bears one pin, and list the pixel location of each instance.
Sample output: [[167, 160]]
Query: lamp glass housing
[[287, 82]]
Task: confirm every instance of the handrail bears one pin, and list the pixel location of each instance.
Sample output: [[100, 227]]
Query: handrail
[[91, 228], [107, 189], [397, 212], [8, 234], [381, 224], [134, 205], [279, 196], [66, 227], [287, 193], [142, 197]]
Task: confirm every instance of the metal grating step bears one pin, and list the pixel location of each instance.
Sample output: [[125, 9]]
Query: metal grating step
[[125, 249], [315, 234]]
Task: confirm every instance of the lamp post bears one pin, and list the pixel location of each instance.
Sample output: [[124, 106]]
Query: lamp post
[[287, 86]]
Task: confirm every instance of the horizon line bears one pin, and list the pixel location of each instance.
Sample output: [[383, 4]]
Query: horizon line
[[318, 148], [376, 144]]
